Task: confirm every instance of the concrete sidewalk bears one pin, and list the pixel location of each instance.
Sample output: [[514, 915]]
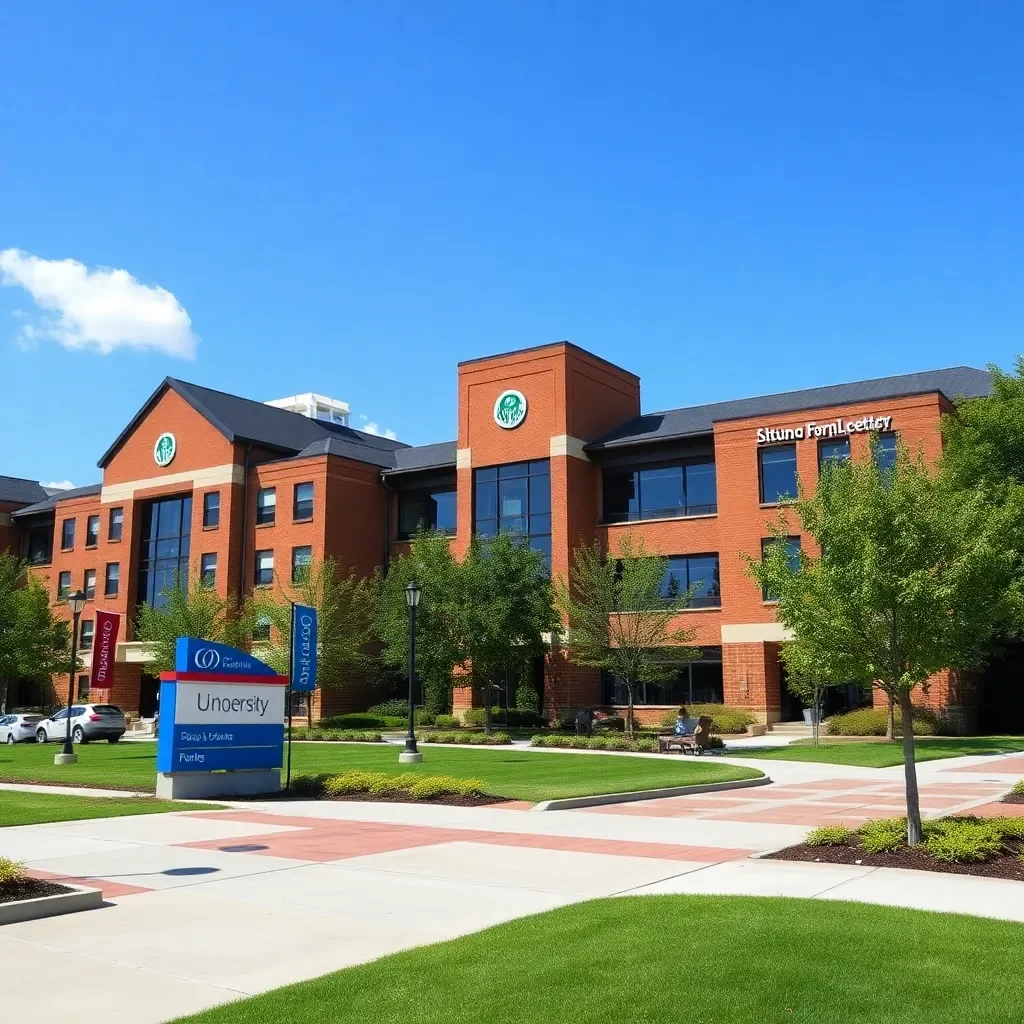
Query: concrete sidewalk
[[207, 907]]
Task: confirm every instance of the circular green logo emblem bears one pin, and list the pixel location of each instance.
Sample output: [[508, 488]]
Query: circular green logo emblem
[[510, 409], [164, 449]]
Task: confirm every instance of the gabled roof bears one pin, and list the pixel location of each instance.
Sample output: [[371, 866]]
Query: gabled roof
[[17, 488], [49, 503], [242, 419], [425, 456], [953, 382]]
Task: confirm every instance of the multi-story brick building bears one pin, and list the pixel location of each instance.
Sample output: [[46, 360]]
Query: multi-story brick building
[[551, 441]]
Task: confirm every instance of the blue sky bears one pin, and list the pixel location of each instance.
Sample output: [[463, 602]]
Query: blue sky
[[727, 198]]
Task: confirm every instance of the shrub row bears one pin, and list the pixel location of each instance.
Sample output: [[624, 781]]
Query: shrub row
[[337, 735], [11, 871], [954, 840], [515, 719], [376, 784], [723, 719], [447, 722], [872, 722], [476, 738], [371, 720], [643, 745]]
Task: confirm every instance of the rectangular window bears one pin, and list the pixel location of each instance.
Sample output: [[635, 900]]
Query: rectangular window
[[67, 535], [434, 510], [778, 473], [261, 630], [697, 682], [302, 559], [63, 586], [115, 524], [112, 580], [833, 451], [696, 573], [885, 451], [264, 568], [165, 538], [40, 545], [515, 498], [86, 633], [266, 506], [208, 570], [90, 584], [92, 531], [302, 502], [211, 509], [83, 688], [792, 553], [660, 492]]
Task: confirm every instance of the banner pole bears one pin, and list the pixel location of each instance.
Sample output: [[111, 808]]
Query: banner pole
[[291, 669]]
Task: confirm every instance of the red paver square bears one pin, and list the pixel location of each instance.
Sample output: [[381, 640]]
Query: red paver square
[[110, 890], [997, 765]]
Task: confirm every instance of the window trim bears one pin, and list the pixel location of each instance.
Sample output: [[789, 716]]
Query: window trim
[[306, 565], [823, 441], [62, 593], [106, 580], [212, 583], [424, 494], [760, 475], [273, 508], [690, 607], [82, 646], [637, 469], [111, 539], [68, 547], [771, 540], [296, 518], [89, 545], [85, 584], [257, 568], [206, 510]]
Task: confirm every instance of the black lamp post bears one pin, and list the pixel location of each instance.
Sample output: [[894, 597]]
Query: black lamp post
[[411, 755], [76, 602]]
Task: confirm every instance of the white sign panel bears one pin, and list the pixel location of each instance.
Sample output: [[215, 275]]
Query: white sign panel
[[228, 703]]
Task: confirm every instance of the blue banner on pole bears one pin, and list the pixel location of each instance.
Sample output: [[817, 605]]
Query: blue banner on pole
[[303, 648]]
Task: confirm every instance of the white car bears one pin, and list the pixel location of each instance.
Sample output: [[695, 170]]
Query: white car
[[88, 722], [18, 728]]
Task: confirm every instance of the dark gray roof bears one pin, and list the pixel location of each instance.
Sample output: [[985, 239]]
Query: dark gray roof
[[348, 450], [700, 419], [242, 419], [424, 456], [49, 503], [16, 488]]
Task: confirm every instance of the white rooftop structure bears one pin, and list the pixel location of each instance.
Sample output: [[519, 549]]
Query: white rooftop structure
[[316, 407]]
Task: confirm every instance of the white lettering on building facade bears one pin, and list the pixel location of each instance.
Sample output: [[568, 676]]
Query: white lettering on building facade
[[833, 428]]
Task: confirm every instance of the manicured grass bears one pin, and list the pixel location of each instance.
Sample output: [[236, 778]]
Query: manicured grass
[[37, 808], [654, 959], [884, 755], [516, 774]]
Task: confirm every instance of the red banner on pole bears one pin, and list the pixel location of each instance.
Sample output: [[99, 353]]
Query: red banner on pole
[[104, 648]]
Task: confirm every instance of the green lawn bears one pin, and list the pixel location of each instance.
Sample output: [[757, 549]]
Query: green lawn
[[700, 959], [516, 774], [36, 808], [885, 755]]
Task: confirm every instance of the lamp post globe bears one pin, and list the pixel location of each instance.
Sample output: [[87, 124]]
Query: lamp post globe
[[411, 755], [76, 602]]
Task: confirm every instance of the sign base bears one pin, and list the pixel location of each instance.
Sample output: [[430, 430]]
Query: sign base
[[65, 759], [201, 785], [407, 758]]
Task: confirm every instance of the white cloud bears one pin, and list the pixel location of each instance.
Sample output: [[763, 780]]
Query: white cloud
[[98, 308], [373, 428], [57, 485]]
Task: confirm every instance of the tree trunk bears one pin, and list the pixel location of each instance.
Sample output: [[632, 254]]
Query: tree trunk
[[629, 711], [487, 707], [890, 722], [910, 771], [3, 696]]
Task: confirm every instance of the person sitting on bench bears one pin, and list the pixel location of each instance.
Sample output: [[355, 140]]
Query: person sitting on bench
[[684, 724]]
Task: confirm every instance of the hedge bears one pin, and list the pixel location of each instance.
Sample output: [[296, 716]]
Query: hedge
[[477, 739], [872, 722], [516, 719], [419, 787], [337, 735], [724, 719], [371, 720], [644, 745]]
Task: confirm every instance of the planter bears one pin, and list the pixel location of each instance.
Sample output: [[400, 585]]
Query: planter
[[757, 729], [74, 898], [809, 716]]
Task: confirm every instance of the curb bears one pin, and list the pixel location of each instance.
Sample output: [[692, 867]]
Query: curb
[[80, 898], [570, 803]]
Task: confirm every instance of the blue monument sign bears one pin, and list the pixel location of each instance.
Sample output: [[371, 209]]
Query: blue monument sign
[[222, 717]]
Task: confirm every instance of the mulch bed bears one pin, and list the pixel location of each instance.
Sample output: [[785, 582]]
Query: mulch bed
[[1013, 798], [29, 889], [1006, 866], [451, 800]]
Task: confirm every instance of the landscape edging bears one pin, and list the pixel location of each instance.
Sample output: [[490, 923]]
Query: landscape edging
[[80, 898], [573, 802]]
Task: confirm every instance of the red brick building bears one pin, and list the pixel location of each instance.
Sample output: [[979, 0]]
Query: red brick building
[[551, 441]]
